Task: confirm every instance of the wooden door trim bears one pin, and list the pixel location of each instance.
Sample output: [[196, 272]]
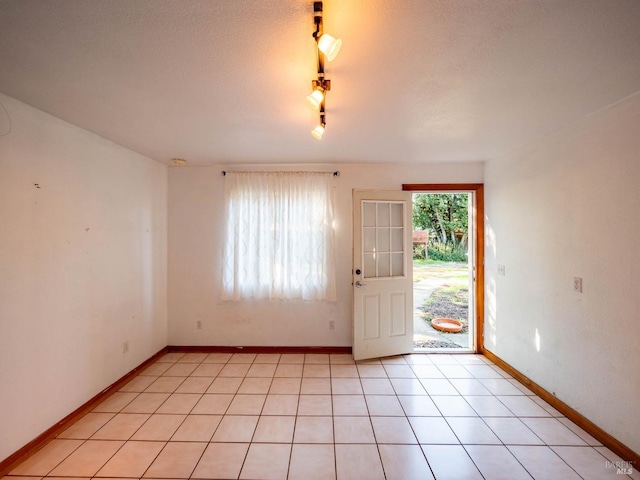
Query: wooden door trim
[[478, 190]]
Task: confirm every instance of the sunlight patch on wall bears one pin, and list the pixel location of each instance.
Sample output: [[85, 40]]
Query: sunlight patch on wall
[[491, 326], [491, 312], [489, 238]]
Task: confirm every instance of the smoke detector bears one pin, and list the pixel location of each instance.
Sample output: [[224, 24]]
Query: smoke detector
[[179, 161]]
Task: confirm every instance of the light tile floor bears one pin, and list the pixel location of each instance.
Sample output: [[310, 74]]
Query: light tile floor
[[314, 417]]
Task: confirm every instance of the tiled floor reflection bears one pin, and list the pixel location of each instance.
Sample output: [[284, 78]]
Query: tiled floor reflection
[[314, 417]]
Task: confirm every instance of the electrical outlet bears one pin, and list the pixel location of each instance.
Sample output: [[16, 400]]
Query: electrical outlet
[[125, 347], [502, 270], [332, 324], [577, 284], [198, 324]]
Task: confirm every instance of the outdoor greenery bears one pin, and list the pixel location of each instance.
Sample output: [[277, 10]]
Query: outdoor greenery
[[445, 216], [446, 253], [454, 271], [438, 252]]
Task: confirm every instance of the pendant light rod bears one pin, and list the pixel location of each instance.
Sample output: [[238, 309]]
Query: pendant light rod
[[317, 19], [327, 48]]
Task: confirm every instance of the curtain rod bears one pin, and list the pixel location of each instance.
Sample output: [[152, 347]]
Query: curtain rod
[[335, 174]]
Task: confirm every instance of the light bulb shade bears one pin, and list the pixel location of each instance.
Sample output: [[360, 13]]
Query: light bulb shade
[[329, 46], [318, 132], [315, 99]]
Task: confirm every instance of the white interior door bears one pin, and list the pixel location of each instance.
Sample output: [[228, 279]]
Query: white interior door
[[382, 273]]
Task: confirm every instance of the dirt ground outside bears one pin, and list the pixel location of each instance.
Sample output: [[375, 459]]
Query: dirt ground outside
[[440, 290]]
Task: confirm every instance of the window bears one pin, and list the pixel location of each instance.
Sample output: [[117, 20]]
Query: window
[[279, 236]]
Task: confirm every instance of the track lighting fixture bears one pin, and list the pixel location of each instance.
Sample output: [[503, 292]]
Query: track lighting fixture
[[327, 47], [318, 132], [316, 98]]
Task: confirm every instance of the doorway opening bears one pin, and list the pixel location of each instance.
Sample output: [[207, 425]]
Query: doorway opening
[[444, 266], [383, 313]]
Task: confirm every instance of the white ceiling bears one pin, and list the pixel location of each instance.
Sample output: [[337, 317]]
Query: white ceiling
[[224, 81]]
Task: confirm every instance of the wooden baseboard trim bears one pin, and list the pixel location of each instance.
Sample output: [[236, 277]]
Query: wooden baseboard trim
[[587, 425], [41, 440], [223, 349]]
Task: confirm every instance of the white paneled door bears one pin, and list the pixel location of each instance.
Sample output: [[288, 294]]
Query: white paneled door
[[382, 273]]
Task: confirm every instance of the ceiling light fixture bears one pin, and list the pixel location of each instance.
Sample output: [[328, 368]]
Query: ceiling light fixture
[[318, 132], [316, 98], [327, 47]]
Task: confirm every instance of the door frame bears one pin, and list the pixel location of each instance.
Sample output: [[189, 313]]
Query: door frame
[[478, 237]]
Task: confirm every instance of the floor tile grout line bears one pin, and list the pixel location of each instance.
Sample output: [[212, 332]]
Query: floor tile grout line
[[607, 459], [502, 443], [333, 425], [109, 459], [544, 446], [474, 462], [195, 465], [373, 430], [61, 461], [550, 447], [258, 422], [418, 441], [395, 393], [481, 418], [187, 416], [152, 461]]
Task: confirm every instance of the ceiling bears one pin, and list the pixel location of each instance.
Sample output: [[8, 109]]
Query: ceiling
[[224, 81]]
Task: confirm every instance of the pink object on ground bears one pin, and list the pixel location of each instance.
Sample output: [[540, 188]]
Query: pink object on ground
[[447, 325]]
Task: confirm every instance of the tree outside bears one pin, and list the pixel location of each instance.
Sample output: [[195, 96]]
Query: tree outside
[[446, 217]]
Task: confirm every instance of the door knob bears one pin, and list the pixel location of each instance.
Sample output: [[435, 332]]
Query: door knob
[[359, 284]]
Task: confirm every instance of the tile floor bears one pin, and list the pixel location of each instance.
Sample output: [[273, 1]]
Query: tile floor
[[315, 416]]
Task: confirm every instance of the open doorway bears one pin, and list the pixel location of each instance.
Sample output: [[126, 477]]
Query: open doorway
[[446, 253]]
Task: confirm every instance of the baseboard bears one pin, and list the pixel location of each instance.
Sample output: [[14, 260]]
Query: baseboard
[[41, 440], [224, 349], [587, 425], [29, 449]]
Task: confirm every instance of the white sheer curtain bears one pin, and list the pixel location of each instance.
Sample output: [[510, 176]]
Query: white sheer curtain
[[279, 236]]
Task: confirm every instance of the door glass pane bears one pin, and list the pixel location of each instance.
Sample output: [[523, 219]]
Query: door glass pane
[[369, 266], [383, 240], [397, 215], [396, 240], [369, 239], [369, 214], [397, 264], [383, 214], [384, 267]]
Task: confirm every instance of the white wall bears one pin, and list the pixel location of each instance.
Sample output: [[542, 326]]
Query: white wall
[[82, 268], [195, 249], [568, 206]]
